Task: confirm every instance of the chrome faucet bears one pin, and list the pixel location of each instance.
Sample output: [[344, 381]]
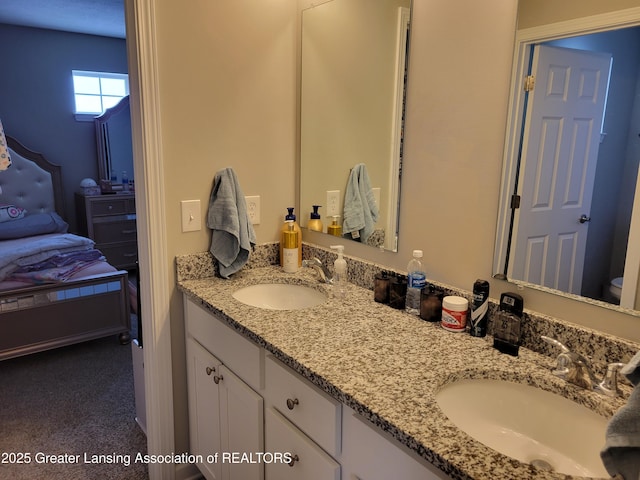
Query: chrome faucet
[[574, 368], [323, 273]]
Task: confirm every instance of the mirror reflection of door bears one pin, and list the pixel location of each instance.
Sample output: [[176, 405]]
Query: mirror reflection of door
[[560, 152]]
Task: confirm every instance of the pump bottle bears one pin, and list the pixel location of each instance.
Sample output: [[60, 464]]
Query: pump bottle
[[335, 228], [290, 218], [314, 222], [339, 273]]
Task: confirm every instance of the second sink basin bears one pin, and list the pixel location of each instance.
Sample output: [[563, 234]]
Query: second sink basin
[[528, 424], [280, 296]]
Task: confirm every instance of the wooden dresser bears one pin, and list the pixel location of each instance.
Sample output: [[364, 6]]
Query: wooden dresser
[[110, 220]]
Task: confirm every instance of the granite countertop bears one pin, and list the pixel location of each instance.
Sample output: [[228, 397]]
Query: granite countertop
[[388, 366]]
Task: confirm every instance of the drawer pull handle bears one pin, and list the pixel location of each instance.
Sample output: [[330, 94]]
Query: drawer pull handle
[[210, 370], [217, 379], [110, 207], [128, 232], [292, 403], [130, 254], [294, 460]]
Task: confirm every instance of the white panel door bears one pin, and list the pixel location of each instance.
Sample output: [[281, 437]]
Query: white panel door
[[560, 151]]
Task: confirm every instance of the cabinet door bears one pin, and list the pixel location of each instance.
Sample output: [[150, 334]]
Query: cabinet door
[[204, 407], [242, 427], [310, 461], [370, 455]]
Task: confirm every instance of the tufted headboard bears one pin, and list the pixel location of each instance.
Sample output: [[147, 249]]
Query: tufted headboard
[[32, 182]]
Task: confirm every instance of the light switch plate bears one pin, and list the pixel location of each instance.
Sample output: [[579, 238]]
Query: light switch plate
[[191, 215], [253, 208]]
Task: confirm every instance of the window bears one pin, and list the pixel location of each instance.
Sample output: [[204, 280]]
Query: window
[[96, 91]]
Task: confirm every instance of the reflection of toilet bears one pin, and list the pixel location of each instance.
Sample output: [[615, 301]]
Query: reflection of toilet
[[615, 287]]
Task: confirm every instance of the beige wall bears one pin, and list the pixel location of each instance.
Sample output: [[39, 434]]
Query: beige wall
[[228, 97], [533, 13], [227, 80]]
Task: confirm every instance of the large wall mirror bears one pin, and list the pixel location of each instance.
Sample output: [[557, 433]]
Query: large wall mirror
[[114, 142], [569, 216], [353, 79]]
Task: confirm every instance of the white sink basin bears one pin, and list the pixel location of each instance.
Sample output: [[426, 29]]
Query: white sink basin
[[528, 424], [280, 296]]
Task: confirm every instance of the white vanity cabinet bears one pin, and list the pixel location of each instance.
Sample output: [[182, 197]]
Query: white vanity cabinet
[[303, 420], [242, 399], [370, 454], [226, 415]]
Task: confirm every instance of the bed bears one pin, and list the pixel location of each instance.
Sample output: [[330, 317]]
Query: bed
[[55, 288]]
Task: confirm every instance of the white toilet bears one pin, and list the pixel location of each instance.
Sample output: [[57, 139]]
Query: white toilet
[[615, 288]]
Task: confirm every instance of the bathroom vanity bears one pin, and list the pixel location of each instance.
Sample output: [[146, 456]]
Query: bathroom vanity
[[347, 387]]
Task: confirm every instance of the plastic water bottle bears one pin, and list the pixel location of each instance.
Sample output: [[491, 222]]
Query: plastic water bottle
[[416, 281]]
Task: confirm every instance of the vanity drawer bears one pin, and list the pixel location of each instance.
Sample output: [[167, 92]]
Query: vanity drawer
[[310, 461], [305, 405], [240, 355]]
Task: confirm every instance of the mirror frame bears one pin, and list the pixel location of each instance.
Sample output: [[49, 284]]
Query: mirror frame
[[524, 38], [101, 123], [394, 184]]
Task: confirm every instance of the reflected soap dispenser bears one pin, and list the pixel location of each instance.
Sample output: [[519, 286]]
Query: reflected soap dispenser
[[335, 228], [339, 273], [314, 222]]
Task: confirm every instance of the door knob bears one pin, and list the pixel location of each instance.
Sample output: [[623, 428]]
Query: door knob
[[584, 219]]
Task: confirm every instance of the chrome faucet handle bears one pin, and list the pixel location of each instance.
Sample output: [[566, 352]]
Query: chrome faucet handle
[[564, 359], [609, 384], [571, 366], [316, 264]]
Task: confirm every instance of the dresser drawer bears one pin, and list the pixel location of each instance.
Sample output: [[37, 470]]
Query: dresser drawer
[[309, 408], [240, 355], [114, 230], [120, 255], [310, 462], [111, 206]]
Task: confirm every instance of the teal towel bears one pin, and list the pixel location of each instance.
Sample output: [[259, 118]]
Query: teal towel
[[232, 237], [360, 209], [621, 453]]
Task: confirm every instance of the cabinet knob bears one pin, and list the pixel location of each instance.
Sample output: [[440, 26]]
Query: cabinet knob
[[292, 403], [294, 459], [210, 370], [217, 379]]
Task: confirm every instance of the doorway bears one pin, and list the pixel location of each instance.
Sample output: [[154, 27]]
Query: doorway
[[616, 176]]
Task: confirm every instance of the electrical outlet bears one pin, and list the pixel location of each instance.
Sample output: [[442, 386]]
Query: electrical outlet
[[191, 216], [253, 208], [333, 203]]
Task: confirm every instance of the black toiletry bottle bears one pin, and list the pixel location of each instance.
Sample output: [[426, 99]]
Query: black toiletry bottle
[[381, 288], [479, 309], [397, 291]]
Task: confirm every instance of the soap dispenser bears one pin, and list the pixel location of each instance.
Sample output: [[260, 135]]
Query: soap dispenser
[[339, 273], [290, 218], [314, 221], [335, 228]]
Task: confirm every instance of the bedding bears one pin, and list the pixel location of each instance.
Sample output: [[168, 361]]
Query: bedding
[[56, 289], [20, 252], [9, 213], [37, 224]]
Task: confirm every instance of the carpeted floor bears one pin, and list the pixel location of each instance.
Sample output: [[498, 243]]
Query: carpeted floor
[[70, 414]]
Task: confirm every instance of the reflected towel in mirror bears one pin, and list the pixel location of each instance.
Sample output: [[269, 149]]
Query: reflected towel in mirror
[[232, 236], [360, 208]]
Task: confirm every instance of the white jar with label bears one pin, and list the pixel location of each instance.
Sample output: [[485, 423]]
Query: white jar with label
[[454, 313]]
